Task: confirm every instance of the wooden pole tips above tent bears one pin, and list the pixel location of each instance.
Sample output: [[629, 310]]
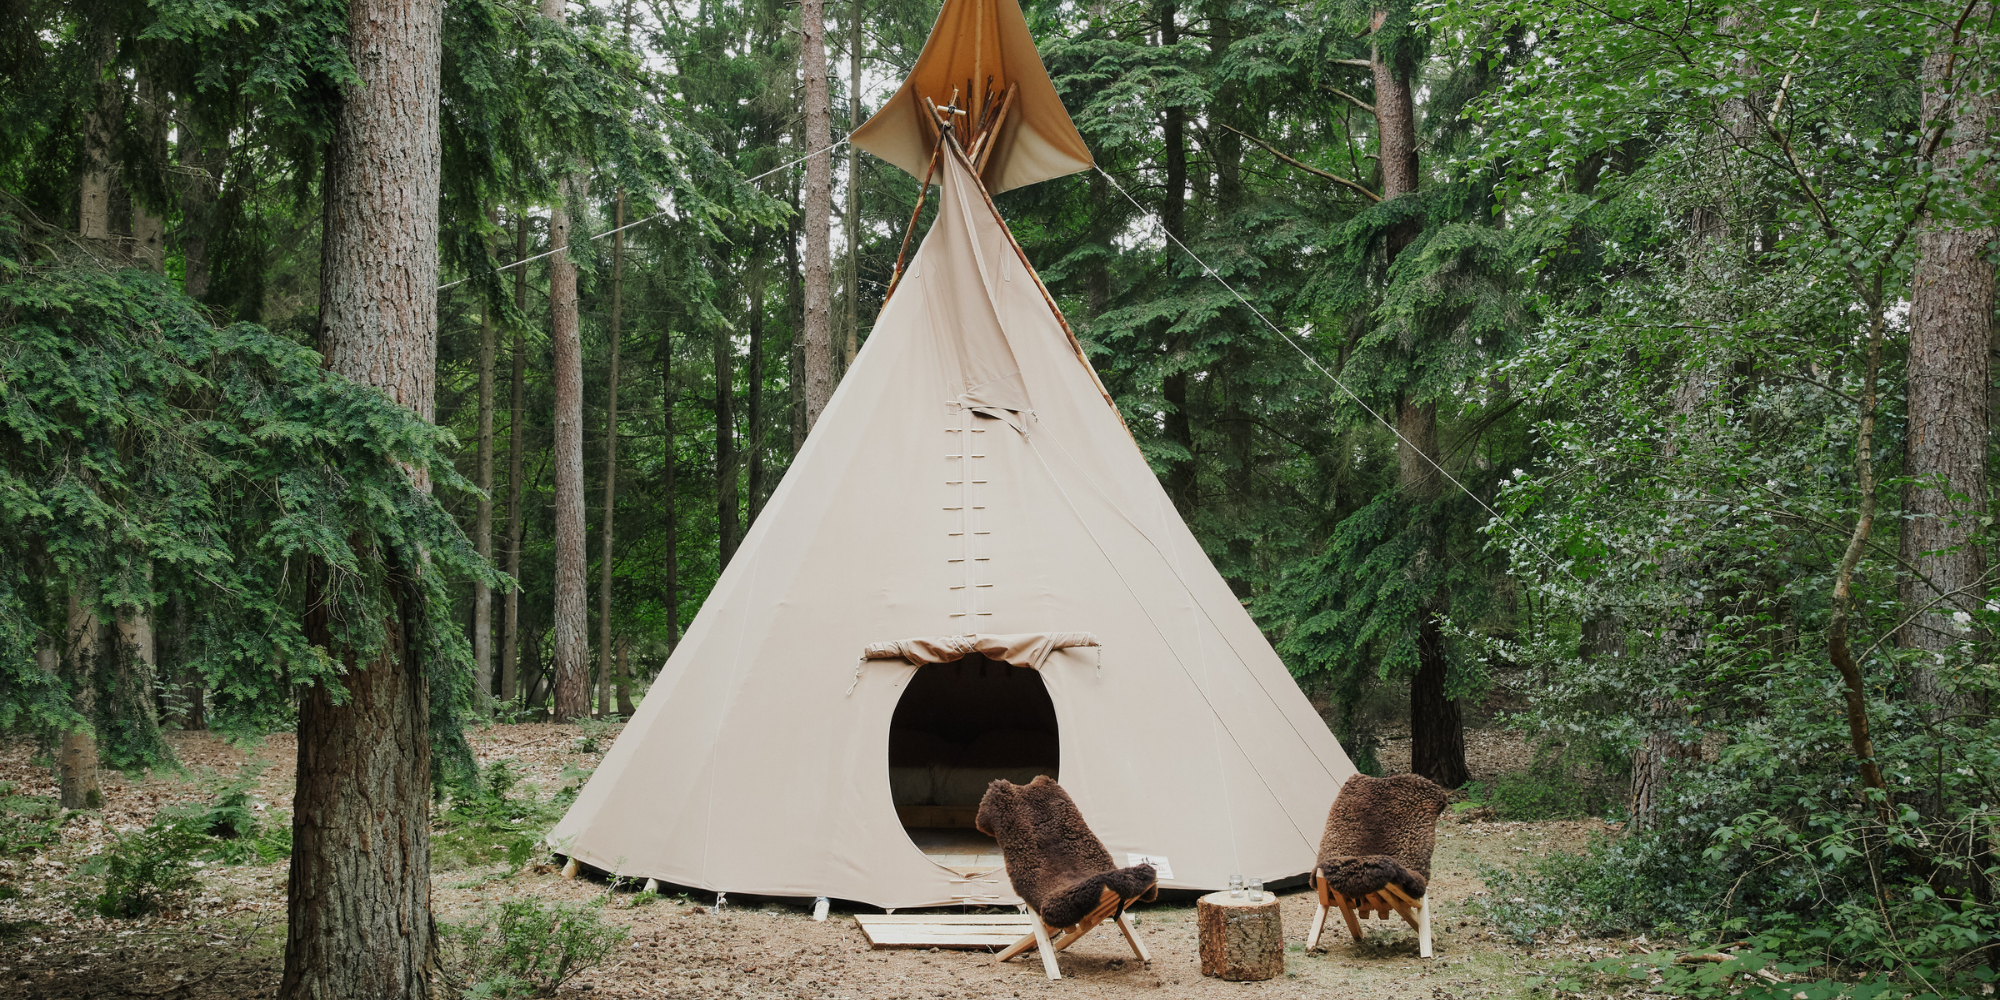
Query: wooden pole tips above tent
[[981, 61]]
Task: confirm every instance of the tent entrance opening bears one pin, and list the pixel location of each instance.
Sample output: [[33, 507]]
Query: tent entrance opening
[[957, 727]]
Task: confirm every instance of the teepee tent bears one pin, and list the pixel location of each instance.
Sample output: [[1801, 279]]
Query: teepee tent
[[969, 572]]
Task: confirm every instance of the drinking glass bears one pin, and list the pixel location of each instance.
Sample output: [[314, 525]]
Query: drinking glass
[[1235, 887], [1256, 890]]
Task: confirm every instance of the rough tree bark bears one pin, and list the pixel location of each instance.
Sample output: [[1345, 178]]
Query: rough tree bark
[[570, 620], [1437, 732], [76, 749], [359, 901], [482, 526], [149, 226], [604, 528], [819, 211], [510, 632], [1951, 326], [93, 215]]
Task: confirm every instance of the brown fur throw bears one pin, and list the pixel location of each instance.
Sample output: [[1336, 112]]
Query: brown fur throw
[[1381, 830], [1057, 866]]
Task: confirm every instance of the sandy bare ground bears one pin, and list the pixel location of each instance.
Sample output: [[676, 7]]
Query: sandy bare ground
[[226, 940]]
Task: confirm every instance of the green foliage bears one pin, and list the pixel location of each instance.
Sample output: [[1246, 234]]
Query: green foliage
[[151, 868], [593, 733], [528, 948], [240, 832], [136, 435], [28, 823], [494, 817]]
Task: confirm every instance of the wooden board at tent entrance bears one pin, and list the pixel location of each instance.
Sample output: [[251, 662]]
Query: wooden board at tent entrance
[[944, 930]]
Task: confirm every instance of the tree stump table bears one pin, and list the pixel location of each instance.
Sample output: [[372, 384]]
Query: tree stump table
[[1240, 940]]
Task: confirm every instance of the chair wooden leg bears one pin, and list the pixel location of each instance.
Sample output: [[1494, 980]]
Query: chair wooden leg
[[1424, 927], [1319, 922], [1018, 947], [1347, 912], [1132, 938], [1047, 949]]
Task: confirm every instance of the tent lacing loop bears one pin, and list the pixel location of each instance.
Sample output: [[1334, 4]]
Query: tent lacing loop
[[859, 662]]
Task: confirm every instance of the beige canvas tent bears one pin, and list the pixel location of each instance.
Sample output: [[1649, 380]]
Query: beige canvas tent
[[969, 572]]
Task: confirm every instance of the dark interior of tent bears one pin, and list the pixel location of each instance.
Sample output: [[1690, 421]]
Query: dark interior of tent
[[957, 727]]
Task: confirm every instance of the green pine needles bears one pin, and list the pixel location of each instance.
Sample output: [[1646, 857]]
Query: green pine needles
[[148, 455]]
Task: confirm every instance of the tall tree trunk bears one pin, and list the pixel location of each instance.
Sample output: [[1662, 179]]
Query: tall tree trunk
[[671, 583], [1097, 274], [1437, 729], [1437, 732], [570, 623], [149, 224], [1951, 326], [753, 435], [201, 169], [795, 308], [510, 633], [725, 446], [482, 527], [624, 678], [852, 344], [93, 216], [360, 924], [605, 523], [1181, 481], [76, 750], [819, 211]]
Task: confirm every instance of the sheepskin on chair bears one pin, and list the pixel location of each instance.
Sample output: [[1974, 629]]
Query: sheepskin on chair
[[1381, 831], [1057, 866]]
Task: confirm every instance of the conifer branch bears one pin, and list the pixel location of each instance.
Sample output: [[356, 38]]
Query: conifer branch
[[1358, 102], [1308, 168]]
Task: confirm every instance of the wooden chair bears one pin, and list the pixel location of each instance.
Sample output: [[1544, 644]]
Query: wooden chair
[[1060, 869], [1375, 857]]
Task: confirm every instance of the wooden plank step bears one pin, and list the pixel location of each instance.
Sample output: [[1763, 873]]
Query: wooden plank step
[[932, 930]]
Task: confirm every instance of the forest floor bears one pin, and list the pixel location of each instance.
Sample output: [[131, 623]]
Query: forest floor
[[226, 939]]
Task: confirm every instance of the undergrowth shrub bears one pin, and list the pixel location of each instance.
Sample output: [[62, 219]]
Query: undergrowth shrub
[[27, 822], [241, 833], [594, 735], [148, 869], [494, 816], [528, 948]]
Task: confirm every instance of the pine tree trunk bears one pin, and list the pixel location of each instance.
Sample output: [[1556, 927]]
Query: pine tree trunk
[[360, 924], [725, 446], [819, 212], [624, 679], [753, 436], [1951, 328], [671, 584], [795, 308], [510, 633], [482, 528], [1181, 480], [605, 523], [852, 343], [201, 170], [76, 750], [93, 216], [149, 225], [570, 620]]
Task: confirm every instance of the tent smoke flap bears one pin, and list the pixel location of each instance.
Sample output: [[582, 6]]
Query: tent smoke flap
[[1029, 649]]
